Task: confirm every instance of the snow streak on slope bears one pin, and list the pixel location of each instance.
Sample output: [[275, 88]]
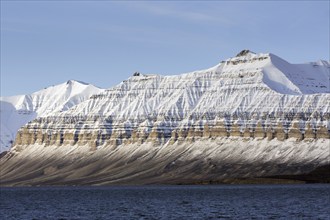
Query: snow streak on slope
[[300, 78], [16, 111], [253, 83]]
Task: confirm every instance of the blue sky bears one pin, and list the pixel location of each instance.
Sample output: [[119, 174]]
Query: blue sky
[[104, 42]]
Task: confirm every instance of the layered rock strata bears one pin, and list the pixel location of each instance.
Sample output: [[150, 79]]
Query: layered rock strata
[[95, 132]]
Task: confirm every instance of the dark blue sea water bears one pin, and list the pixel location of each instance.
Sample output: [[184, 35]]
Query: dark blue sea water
[[167, 202]]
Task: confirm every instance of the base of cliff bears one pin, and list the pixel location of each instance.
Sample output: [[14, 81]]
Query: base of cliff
[[204, 161]]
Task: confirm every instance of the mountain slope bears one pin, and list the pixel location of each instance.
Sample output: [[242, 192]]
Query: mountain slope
[[250, 83], [16, 111]]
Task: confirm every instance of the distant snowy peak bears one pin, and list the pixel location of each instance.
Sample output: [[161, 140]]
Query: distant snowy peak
[[16, 111], [54, 98]]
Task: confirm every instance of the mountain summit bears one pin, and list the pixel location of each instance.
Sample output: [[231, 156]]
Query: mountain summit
[[243, 53], [251, 115]]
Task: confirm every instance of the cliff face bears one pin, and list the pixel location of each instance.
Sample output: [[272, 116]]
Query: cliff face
[[246, 96], [249, 99]]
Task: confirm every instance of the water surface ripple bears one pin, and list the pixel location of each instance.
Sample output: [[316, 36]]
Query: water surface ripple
[[167, 202]]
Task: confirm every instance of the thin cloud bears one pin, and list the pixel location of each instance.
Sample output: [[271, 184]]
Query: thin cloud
[[162, 9], [154, 35]]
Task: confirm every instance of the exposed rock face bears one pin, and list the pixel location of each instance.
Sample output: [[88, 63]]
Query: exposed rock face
[[243, 53], [251, 98], [95, 132]]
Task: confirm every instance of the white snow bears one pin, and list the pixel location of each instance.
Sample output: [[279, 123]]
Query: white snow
[[16, 111], [250, 83]]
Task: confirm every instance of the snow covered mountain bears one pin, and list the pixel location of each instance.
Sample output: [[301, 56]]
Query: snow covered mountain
[[242, 91], [254, 110], [16, 111]]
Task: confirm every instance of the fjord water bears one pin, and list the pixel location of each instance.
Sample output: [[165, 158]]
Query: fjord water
[[168, 202]]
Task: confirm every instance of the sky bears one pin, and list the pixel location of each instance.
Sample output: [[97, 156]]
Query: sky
[[45, 43]]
